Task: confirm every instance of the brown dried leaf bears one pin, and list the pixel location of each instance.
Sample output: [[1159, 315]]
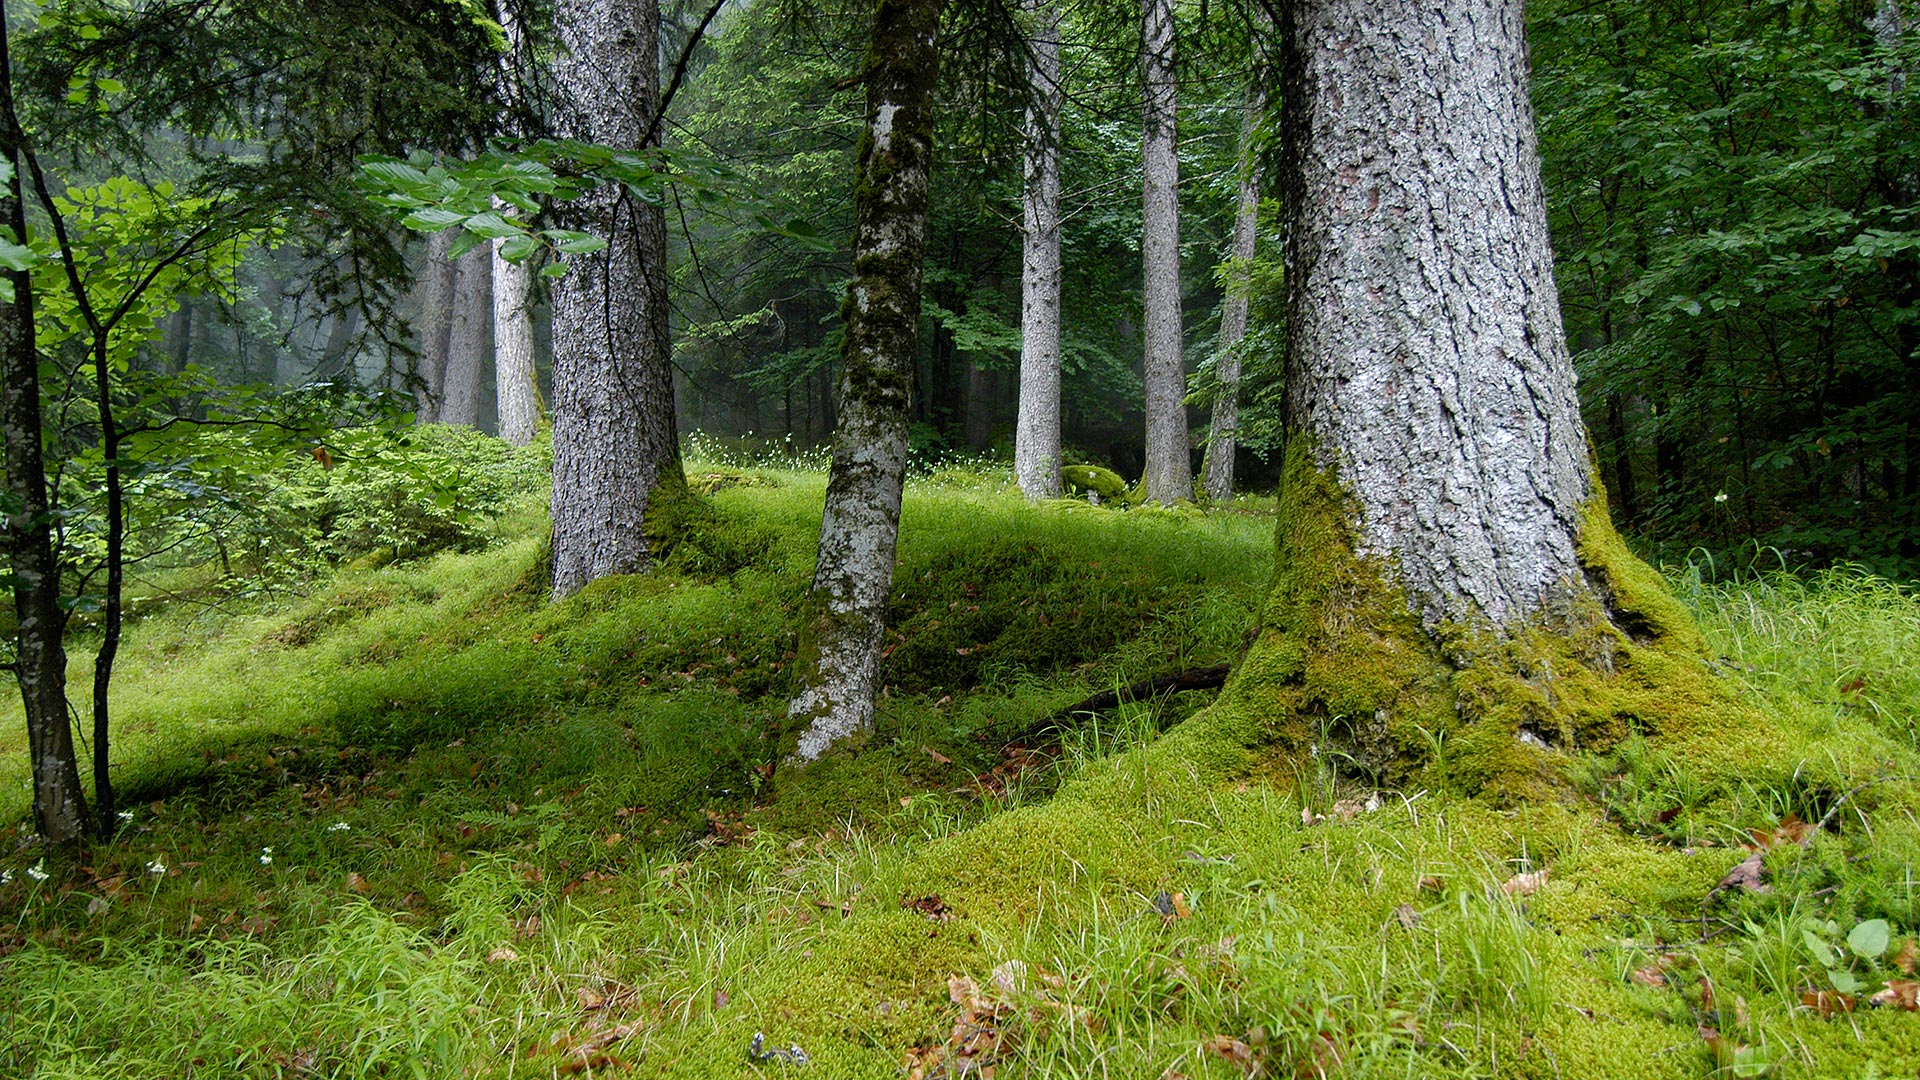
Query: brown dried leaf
[[356, 883], [502, 955], [1231, 1049], [930, 906], [1748, 875], [1828, 1002], [1524, 884], [1899, 994], [1407, 916], [938, 757], [1908, 958], [1649, 976], [1430, 883]]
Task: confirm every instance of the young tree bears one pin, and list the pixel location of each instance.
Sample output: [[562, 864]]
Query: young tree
[[1446, 565], [616, 454], [1036, 447], [841, 639], [515, 391], [1222, 441], [1169, 472]]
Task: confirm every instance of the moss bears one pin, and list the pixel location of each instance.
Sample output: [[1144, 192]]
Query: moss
[[1099, 484], [1341, 663]]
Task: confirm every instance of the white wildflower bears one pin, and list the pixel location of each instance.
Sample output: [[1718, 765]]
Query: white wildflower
[[6, 877], [339, 826], [38, 871], [125, 815], [156, 867], [266, 856], [1720, 497]]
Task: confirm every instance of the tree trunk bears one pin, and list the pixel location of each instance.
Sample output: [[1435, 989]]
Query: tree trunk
[[1169, 470], [616, 455], [513, 379], [467, 339], [40, 666], [1222, 438], [1036, 440], [840, 655], [1447, 574], [434, 325]]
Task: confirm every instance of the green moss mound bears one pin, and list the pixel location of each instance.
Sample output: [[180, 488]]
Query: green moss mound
[[1099, 484]]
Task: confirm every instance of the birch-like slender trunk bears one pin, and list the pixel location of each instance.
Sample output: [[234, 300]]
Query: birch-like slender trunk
[[467, 339], [40, 664], [615, 450], [434, 324], [1223, 430], [841, 640], [1036, 439], [514, 389], [1426, 362], [1169, 468]]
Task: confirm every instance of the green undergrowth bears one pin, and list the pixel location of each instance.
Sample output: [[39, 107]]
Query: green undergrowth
[[423, 823]]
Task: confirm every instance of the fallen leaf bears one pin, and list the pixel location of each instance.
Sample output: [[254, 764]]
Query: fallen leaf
[[1649, 976], [1308, 817], [1171, 906], [1430, 883], [1747, 875], [1828, 1002], [1407, 916], [356, 883], [1899, 994], [613, 838], [930, 905], [1524, 884], [1231, 1049], [502, 955], [937, 756], [1908, 957], [97, 905]]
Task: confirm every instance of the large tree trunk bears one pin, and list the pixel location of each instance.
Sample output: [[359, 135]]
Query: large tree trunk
[[841, 640], [434, 325], [513, 379], [467, 340], [1222, 438], [1036, 440], [616, 455], [40, 664], [1447, 574], [1169, 470]]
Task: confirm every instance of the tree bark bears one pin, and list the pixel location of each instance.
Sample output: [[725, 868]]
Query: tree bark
[[1426, 362], [514, 388], [467, 338], [1169, 469], [841, 640], [616, 455], [1222, 438], [1036, 442], [40, 664], [434, 325]]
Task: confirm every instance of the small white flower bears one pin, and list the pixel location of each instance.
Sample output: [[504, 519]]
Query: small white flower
[[125, 815], [1720, 497], [6, 877], [266, 856], [156, 867], [38, 871], [339, 826]]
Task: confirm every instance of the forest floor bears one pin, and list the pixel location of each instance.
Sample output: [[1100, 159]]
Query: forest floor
[[420, 822]]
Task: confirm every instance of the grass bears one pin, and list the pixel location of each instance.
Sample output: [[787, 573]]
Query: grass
[[421, 823]]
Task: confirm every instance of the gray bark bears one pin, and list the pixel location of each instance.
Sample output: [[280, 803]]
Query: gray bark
[[1036, 438], [1426, 361], [614, 443], [59, 806], [1169, 471], [513, 352], [467, 339], [1222, 438], [434, 325], [882, 313]]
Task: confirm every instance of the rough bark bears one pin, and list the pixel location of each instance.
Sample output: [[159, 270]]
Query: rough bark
[[616, 455], [1169, 470], [467, 338], [1222, 438], [434, 325], [513, 379], [841, 641], [1426, 362], [40, 664], [1036, 440]]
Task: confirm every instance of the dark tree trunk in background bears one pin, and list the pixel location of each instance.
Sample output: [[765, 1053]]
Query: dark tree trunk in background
[[1169, 469], [1223, 431], [616, 455], [467, 353], [1036, 440], [434, 325], [840, 649]]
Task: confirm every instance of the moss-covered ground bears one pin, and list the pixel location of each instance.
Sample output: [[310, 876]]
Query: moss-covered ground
[[419, 822]]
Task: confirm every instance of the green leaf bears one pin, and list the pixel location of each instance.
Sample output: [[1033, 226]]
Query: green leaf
[[17, 256], [1869, 939], [1821, 951], [396, 173], [1843, 981], [432, 219], [575, 243], [554, 270], [519, 248], [492, 226]]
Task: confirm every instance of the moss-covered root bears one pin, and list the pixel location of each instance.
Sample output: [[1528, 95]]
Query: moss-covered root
[[1342, 663]]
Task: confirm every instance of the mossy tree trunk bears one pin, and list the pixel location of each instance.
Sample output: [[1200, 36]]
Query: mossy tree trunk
[[1036, 447], [1446, 568], [1169, 469], [616, 454], [840, 650]]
